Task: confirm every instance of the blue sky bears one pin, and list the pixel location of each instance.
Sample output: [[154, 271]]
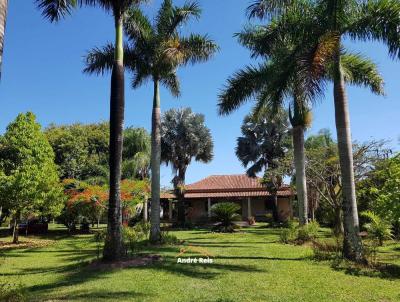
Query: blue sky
[[42, 73]]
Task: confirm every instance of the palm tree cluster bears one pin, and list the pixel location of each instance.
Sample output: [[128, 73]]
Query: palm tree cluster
[[302, 49], [153, 50]]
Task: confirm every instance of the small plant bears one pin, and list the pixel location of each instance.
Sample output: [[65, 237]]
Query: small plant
[[169, 239], [225, 213], [378, 229], [299, 234], [327, 250], [308, 232], [99, 237]]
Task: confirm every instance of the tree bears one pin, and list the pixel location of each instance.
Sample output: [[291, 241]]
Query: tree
[[283, 77], [56, 9], [264, 146], [29, 181], [379, 190], [325, 24], [3, 17], [324, 174], [184, 137], [155, 51], [136, 153]]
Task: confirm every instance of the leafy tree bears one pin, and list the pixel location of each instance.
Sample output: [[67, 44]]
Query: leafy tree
[[264, 146], [379, 191], [184, 137], [154, 52], [55, 10], [136, 153], [3, 17], [29, 181], [225, 213], [324, 174], [326, 23]]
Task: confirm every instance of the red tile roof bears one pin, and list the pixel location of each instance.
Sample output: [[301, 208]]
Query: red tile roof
[[227, 186]]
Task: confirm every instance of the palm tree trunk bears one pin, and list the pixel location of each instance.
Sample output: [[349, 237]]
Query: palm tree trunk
[[179, 191], [338, 227], [352, 246], [3, 17], [275, 214], [155, 233], [113, 249], [145, 211], [299, 162]]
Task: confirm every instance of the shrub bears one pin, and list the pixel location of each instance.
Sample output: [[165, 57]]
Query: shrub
[[288, 235], [378, 229], [225, 213], [327, 250], [308, 232], [299, 234], [99, 237], [169, 239]]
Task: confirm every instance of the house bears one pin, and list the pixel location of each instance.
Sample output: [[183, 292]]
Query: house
[[253, 198]]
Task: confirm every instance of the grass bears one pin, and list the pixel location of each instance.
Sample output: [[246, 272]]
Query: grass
[[248, 266]]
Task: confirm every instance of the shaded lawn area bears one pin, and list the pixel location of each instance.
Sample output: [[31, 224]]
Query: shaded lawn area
[[248, 266]]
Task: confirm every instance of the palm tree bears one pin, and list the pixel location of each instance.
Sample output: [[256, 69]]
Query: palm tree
[[263, 146], [154, 52], [281, 78], [323, 24], [3, 17], [54, 10], [184, 137]]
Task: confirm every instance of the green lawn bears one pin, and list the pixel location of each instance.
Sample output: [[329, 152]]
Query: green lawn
[[248, 266]]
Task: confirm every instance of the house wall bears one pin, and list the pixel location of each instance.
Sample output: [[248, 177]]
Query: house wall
[[284, 208]]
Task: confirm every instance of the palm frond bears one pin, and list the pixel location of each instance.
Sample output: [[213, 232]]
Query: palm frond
[[137, 25], [171, 82], [267, 8], [99, 60], [54, 10], [378, 20], [361, 71], [241, 87], [193, 49]]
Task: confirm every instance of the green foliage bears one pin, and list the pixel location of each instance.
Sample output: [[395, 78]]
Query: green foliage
[[225, 213], [29, 180], [134, 237], [299, 234], [169, 239], [379, 191], [378, 229]]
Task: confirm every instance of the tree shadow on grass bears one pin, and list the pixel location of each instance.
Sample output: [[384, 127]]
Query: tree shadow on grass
[[379, 270]]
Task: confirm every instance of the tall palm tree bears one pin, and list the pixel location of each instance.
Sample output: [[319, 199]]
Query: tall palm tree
[[184, 137], [154, 52], [54, 10], [282, 77], [3, 17], [325, 23]]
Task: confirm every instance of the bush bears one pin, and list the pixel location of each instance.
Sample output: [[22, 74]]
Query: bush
[[308, 232], [378, 229], [327, 250], [288, 235], [169, 239], [299, 234], [134, 237], [225, 213]]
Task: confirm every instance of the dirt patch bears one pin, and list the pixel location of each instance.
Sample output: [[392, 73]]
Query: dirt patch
[[140, 260], [25, 244]]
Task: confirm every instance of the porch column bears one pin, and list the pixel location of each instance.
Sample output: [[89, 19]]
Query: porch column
[[170, 210], [209, 207], [248, 207]]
